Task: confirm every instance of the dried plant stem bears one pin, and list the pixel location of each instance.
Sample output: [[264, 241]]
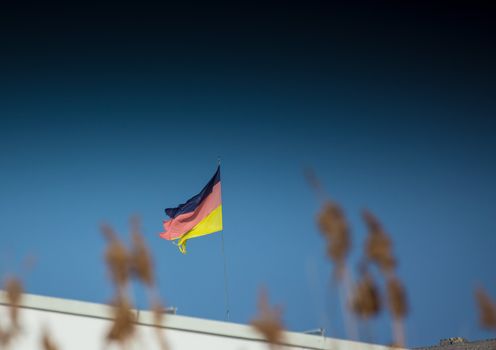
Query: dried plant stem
[[398, 307], [345, 288], [399, 332], [367, 331], [269, 321], [158, 316]]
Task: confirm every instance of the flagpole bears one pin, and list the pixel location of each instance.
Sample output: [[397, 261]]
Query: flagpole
[[226, 285]]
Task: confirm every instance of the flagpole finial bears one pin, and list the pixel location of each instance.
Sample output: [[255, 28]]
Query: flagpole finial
[[218, 161]]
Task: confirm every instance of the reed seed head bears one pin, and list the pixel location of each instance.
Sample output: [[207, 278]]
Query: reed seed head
[[13, 287], [397, 299], [47, 341], [487, 309], [117, 258], [334, 228], [378, 247], [365, 301], [14, 290], [268, 321], [123, 327]]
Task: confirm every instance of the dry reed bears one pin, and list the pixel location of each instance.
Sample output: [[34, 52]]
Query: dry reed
[[47, 341], [487, 309], [396, 296], [378, 247], [268, 321], [334, 228], [366, 301], [124, 264], [398, 306], [140, 259], [117, 259], [123, 325], [13, 288], [158, 318], [379, 251]]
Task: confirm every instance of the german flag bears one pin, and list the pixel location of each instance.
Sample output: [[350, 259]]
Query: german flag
[[200, 215]]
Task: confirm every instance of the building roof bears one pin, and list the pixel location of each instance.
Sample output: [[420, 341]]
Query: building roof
[[185, 324]]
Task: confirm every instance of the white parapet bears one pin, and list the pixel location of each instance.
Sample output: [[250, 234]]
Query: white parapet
[[78, 325]]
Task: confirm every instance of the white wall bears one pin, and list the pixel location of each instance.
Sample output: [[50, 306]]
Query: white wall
[[76, 325]]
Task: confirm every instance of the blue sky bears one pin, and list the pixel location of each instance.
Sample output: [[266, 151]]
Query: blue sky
[[95, 133]]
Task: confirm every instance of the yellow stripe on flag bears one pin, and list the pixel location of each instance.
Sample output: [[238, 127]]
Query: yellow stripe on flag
[[212, 223]]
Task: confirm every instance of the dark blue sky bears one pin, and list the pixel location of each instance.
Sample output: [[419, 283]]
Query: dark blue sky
[[119, 109]]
